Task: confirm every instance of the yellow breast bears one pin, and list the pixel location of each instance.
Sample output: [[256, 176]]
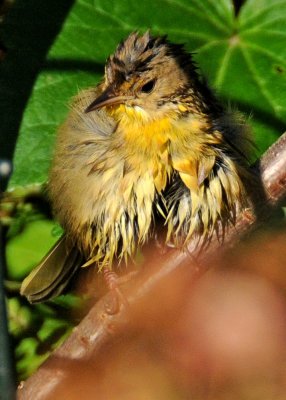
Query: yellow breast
[[141, 130], [163, 144], [145, 142]]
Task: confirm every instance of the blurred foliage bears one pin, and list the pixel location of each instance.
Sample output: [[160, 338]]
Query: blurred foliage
[[55, 49], [22, 253], [37, 329]]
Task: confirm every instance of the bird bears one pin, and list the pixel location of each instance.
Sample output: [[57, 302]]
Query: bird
[[150, 142]]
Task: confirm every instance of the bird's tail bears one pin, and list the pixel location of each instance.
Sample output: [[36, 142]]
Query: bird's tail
[[50, 278]]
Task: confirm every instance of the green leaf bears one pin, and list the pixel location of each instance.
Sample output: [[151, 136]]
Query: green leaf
[[27, 32], [25, 250], [20, 317], [27, 358], [50, 327], [243, 57]]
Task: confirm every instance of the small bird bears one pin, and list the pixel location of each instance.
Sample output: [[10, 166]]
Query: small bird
[[150, 141]]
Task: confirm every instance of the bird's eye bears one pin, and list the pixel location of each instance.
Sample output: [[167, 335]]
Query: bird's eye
[[148, 86]]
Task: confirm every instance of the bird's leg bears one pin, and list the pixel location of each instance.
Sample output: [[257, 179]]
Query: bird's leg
[[160, 243], [113, 281]]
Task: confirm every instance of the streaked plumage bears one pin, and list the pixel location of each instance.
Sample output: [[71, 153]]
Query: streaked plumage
[[151, 139]]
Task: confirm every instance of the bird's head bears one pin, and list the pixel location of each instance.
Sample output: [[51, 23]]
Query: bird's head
[[148, 78]]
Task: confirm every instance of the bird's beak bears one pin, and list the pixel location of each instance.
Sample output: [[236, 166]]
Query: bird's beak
[[106, 98]]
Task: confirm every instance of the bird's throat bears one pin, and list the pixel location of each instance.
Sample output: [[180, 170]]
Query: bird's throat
[[165, 144], [140, 128]]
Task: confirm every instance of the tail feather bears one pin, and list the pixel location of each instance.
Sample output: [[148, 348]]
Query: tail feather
[[50, 278]]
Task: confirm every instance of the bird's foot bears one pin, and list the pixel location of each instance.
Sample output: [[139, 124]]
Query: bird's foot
[[113, 281]]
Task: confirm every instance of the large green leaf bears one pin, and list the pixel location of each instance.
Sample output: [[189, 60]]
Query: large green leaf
[[243, 57]]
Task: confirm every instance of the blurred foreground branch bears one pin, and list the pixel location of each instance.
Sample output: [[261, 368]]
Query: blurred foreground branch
[[100, 324]]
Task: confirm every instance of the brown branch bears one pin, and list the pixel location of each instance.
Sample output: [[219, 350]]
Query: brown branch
[[100, 325]]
